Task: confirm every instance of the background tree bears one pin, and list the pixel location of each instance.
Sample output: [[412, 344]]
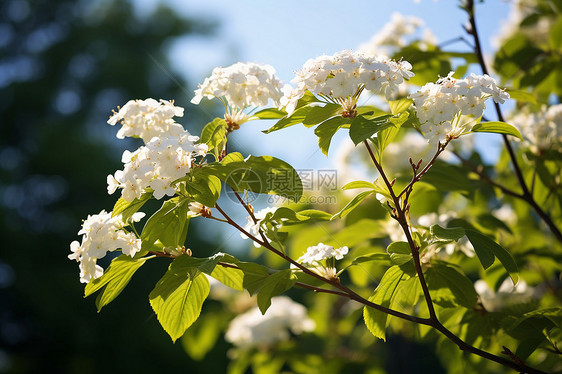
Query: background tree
[[64, 65]]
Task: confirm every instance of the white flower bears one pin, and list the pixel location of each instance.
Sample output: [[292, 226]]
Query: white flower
[[197, 209], [254, 330], [439, 105], [507, 294], [344, 75], [156, 165], [321, 252], [147, 118], [102, 233], [397, 154], [240, 86], [542, 131], [253, 228], [397, 33], [321, 259]]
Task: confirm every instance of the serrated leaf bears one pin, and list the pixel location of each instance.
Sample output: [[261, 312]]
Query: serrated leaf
[[352, 205], [384, 295], [178, 297], [114, 279], [487, 250], [454, 233], [128, 208], [498, 128], [326, 131], [274, 285]]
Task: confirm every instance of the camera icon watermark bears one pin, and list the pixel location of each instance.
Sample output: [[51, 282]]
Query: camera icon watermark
[[289, 181]]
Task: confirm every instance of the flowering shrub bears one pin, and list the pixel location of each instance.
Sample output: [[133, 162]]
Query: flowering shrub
[[440, 246]]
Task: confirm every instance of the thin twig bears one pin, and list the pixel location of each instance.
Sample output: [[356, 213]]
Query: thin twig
[[516, 168]]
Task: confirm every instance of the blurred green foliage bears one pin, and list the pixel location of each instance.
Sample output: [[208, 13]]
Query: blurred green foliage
[[64, 65]]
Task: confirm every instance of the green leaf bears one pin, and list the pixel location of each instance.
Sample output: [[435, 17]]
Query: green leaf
[[254, 276], [388, 290], [326, 130], [214, 135], [315, 214], [378, 257], [399, 106], [270, 113], [492, 223], [555, 34], [263, 174], [448, 286], [114, 279], [168, 225], [400, 253], [233, 278], [486, 249], [361, 128], [498, 128], [319, 114], [522, 96], [202, 336], [178, 297], [352, 205], [287, 215], [454, 233], [274, 285], [359, 184], [294, 118], [205, 189], [128, 208]]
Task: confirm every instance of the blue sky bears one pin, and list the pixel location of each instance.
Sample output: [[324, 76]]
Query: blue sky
[[286, 34]]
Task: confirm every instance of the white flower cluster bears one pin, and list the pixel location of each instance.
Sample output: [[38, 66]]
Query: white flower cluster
[[397, 154], [254, 330], [344, 74], [102, 233], [396, 33], [543, 130], [242, 85], [163, 160], [322, 252], [439, 104], [147, 118], [253, 228]]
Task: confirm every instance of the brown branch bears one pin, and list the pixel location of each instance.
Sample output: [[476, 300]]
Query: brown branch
[[516, 168]]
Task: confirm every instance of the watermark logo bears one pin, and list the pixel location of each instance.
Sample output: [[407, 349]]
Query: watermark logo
[[314, 183]]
